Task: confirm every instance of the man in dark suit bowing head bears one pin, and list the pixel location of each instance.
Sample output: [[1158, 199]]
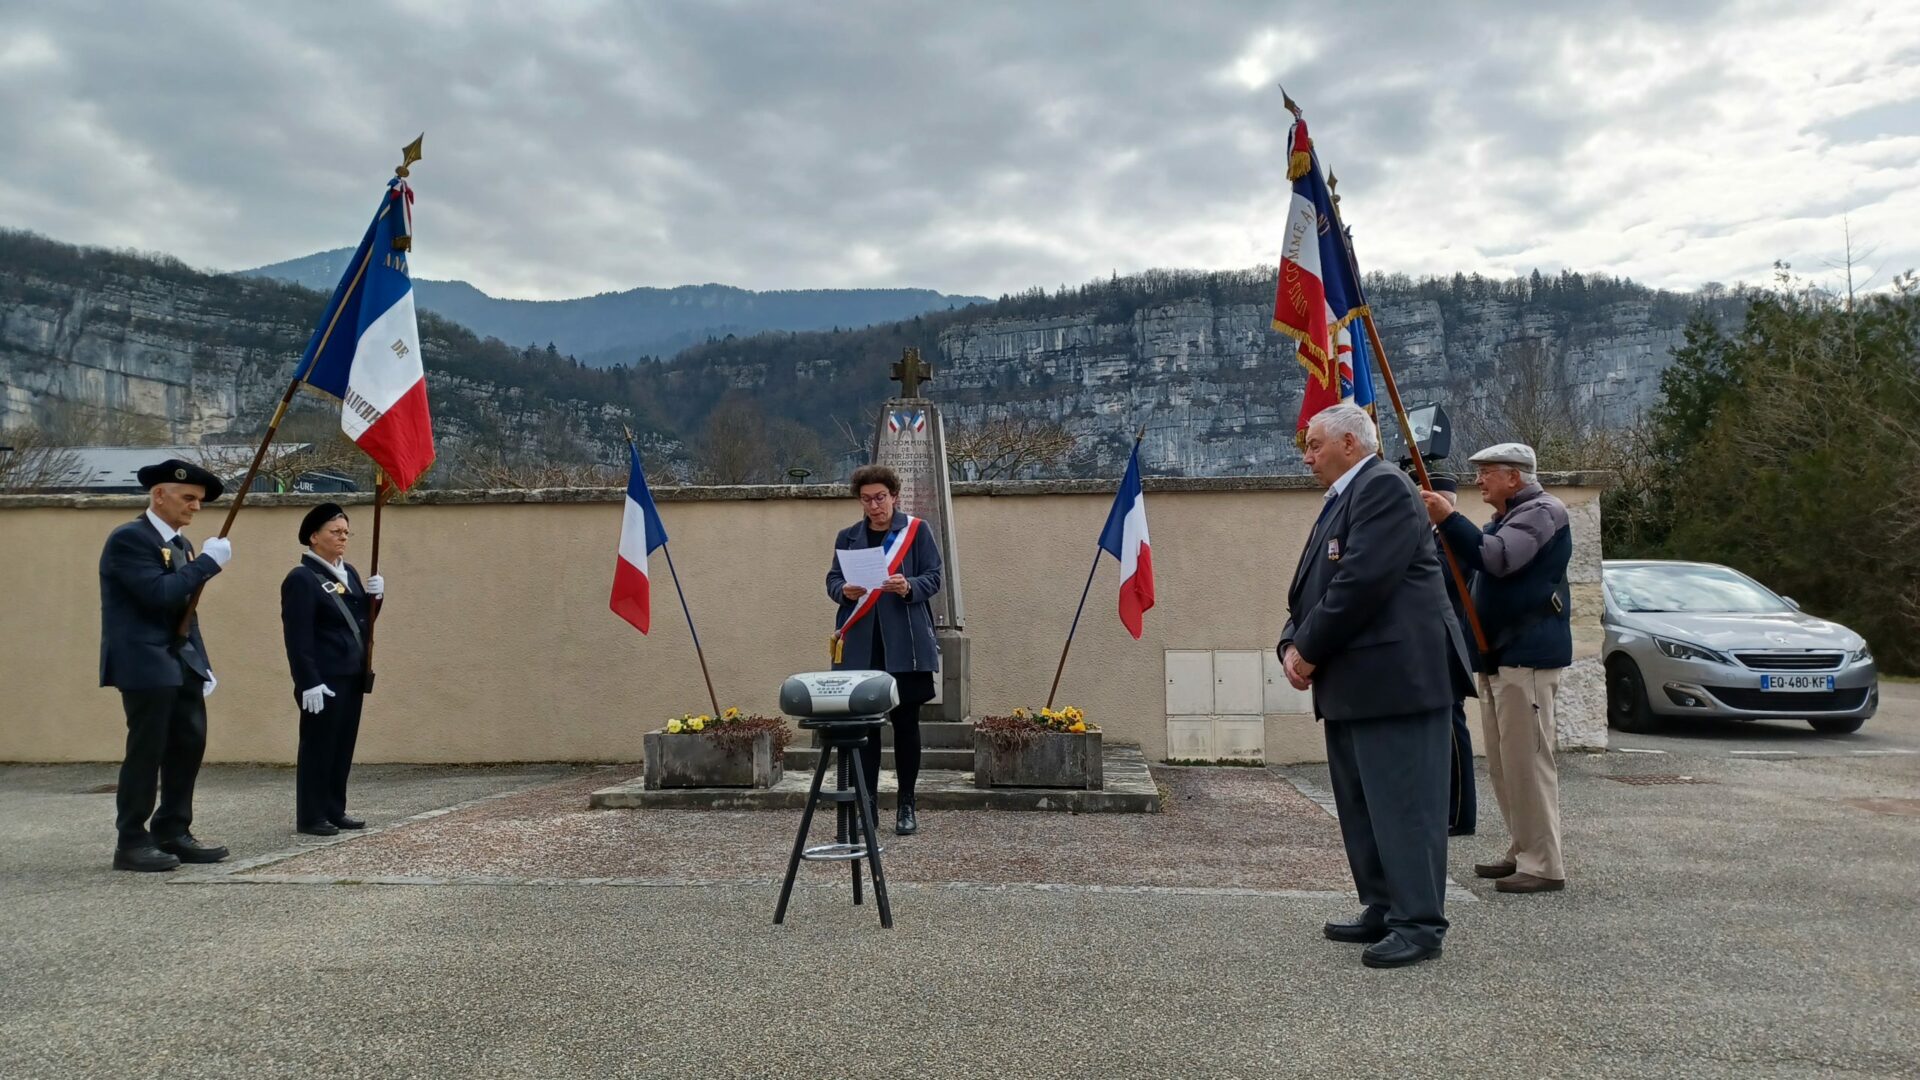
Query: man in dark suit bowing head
[[1370, 631]]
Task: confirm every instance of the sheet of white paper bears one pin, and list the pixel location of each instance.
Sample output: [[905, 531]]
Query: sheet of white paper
[[865, 567]]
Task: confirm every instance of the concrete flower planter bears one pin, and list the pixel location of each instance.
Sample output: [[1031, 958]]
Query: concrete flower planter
[[1051, 759], [692, 760]]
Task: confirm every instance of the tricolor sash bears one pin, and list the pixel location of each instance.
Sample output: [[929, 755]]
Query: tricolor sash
[[896, 556]]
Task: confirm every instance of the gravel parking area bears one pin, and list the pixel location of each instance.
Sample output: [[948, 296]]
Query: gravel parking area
[[1224, 828]]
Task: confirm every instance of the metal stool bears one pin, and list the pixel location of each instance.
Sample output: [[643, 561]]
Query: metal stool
[[855, 835]]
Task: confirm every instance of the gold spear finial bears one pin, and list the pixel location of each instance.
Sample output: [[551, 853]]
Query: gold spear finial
[[409, 154], [1333, 187], [1292, 106]]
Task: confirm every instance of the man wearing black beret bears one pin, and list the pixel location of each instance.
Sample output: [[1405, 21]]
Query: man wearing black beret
[[148, 575]]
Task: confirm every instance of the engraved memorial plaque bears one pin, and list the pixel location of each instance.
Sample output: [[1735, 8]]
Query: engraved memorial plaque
[[909, 438]]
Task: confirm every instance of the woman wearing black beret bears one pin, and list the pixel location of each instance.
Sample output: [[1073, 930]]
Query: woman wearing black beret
[[323, 613]]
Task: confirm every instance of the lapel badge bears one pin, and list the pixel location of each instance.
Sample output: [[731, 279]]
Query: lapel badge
[[166, 555], [1333, 549]]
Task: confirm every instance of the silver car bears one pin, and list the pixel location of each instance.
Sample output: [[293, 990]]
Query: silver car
[[1696, 639]]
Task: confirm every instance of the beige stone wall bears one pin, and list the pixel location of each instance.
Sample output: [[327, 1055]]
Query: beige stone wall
[[497, 645]]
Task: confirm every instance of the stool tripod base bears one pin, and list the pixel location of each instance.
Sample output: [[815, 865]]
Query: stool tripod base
[[856, 834]]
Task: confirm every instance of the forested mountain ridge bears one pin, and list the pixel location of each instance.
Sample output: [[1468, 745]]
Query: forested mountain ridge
[[1186, 355]]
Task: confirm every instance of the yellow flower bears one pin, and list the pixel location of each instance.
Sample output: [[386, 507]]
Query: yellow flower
[[1078, 727], [674, 726], [1073, 713], [732, 713], [1020, 713], [697, 723]]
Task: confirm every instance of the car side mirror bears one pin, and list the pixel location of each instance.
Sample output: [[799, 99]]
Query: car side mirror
[[1791, 602]]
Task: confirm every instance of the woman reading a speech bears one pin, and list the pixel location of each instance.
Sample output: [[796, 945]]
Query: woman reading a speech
[[890, 628]]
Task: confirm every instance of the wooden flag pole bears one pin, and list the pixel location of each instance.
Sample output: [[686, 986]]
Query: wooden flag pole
[[698, 652], [1071, 630], [409, 154], [1406, 433]]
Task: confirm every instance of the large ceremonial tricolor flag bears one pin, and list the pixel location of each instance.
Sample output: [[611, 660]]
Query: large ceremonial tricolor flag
[[641, 533], [1317, 294], [366, 349], [1125, 538]]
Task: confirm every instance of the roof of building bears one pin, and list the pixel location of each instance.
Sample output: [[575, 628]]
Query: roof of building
[[114, 467]]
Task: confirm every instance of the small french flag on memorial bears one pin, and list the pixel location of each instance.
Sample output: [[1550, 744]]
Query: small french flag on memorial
[[1125, 538], [640, 534]]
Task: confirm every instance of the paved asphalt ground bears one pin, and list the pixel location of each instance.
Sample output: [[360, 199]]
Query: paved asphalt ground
[[1753, 924]]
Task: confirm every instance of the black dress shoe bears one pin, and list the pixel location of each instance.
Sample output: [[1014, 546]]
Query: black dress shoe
[[322, 828], [191, 850], [908, 823], [146, 858], [1357, 932], [1396, 951], [348, 823]]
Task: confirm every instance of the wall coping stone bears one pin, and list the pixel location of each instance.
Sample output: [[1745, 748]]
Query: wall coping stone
[[736, 492]]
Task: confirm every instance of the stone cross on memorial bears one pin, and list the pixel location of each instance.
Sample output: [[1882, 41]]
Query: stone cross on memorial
[[910, 438]]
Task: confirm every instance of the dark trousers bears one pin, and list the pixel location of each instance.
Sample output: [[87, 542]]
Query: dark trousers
[[906, 751], [1463, 805], [1390, 788], [166, 738], [916, 689], [326, 756]]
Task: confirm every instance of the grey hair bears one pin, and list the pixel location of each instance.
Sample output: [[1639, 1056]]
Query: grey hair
[[1345, 419], [1527, 477]]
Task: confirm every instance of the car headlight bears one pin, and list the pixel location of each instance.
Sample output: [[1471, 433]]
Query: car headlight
[[1680, 650], [1860, 655]]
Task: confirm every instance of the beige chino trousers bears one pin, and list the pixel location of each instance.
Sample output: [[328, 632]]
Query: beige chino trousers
[[1517, 727]]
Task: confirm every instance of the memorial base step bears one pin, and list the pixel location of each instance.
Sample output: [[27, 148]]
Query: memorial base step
[[1130, 789]]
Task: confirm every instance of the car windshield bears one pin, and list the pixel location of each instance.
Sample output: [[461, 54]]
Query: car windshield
[[1689, 588]]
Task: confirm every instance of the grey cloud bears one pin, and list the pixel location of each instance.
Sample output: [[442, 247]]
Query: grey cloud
[[976, 148]]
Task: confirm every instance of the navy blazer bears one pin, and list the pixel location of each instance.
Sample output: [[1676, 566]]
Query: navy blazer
[[1367, 607], [906, 626], [145, 584], [321, 646]]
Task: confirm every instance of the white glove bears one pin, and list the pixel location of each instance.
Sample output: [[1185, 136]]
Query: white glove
[[219, 549], [315, 699], [376, 586], [206, 688]]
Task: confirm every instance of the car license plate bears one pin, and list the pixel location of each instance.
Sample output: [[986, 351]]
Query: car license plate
[[1801, 683]]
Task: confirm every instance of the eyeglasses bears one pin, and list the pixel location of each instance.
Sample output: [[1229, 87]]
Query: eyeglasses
[[876, 500]]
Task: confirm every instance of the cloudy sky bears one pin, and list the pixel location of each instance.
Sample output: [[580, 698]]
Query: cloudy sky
[[574, 148]]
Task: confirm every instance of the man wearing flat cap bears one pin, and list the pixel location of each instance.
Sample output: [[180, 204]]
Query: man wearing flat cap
[[1520, 592], [148, 575], [325, 616]]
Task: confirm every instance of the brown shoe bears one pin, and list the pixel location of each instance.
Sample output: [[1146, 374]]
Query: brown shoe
[[1494, 869], [1528, 883]]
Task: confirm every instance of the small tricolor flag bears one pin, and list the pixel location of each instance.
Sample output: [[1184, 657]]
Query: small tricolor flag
[[1125, 538], [640, 534], [1317, 294], [366, 349]]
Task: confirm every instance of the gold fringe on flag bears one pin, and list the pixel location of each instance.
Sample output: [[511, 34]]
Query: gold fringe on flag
[[1299, 164]]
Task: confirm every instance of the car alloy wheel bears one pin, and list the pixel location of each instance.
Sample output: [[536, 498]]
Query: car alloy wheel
[[1627, 707]]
